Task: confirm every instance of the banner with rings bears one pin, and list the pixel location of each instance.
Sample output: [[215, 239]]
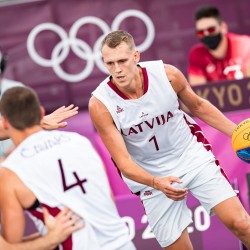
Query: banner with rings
[[53, 46], [80, 47]]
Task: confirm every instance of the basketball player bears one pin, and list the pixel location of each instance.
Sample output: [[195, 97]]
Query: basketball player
[[59, 229], [160, 151], [55, 169]]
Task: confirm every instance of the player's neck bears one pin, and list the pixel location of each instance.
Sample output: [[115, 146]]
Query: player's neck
[[135, 88], [19, 136]]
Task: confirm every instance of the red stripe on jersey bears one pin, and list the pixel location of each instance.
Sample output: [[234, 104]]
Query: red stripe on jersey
[[67, 244], [196, 131]]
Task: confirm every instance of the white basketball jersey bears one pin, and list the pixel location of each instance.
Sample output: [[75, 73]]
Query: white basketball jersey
[[63, 169], [159, 136]]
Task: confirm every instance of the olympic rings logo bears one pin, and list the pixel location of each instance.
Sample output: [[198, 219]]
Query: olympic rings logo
[[246, 136], [80, 47]]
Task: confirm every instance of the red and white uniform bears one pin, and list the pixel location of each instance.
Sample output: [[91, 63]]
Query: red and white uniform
[[63, 169], [160, 137], [235, 65], [165, 141]]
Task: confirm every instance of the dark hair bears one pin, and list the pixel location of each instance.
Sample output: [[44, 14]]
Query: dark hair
[[3, 60], [21, 107], [207, 11], [113, 39]]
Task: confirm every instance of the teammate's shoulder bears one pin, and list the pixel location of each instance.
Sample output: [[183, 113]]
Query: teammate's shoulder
[[6, 174], [7, 83]]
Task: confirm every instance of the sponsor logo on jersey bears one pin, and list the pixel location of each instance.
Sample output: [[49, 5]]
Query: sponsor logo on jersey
[[119, 109], [148, 193], [143, 114]]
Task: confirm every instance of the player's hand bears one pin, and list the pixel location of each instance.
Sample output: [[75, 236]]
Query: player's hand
[[166, 185], [57, 118], [61, 226]]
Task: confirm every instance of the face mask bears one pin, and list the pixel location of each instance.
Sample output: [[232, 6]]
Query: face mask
[[212, 42]]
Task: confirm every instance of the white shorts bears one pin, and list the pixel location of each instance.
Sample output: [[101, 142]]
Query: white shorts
[[168, 218]]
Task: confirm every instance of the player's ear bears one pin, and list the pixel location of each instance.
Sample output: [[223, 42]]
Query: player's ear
[[137, 56], [224, 27], [4, 122], [42, 110]]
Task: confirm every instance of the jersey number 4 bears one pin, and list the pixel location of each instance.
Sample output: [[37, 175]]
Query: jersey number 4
[[77, 183]]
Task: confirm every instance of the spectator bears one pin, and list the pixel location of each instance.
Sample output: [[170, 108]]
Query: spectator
[[220, 55], [53, 121]]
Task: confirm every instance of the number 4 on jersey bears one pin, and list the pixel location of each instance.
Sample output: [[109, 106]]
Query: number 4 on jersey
[[78, 181]]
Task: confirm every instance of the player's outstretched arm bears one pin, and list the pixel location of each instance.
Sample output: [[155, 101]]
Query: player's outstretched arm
[[59, 229], [52, 121], [198, 106], [57, 118]]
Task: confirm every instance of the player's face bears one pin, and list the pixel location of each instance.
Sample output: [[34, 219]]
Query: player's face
[[121, 62]]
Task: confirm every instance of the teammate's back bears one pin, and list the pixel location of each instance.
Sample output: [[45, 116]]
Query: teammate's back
[[63, 169]]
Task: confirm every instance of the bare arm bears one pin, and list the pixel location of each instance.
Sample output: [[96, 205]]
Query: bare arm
[[196, 80], [59, 229], [57, 118], [13, 197], [114, 142], [198, 106], [12, 216], [52, 121]]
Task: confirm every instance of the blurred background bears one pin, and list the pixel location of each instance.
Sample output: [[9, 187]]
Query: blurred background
[[53, 47], [172, 36]]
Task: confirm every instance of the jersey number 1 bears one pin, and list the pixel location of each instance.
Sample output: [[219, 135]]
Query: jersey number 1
[[155, 142]]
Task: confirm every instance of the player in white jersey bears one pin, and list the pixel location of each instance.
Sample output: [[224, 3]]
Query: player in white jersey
[[55, 169], [161, 152]]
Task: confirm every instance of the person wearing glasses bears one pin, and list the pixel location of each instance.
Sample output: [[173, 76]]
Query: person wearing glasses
[[220, 55]]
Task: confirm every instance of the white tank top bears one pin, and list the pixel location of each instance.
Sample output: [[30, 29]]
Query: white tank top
[[159, 136], [63, 169]]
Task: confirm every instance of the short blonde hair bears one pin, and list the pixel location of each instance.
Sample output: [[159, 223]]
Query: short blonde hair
[[114, 38]]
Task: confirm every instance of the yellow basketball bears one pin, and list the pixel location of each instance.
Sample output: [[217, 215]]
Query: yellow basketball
[[241, 140]]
